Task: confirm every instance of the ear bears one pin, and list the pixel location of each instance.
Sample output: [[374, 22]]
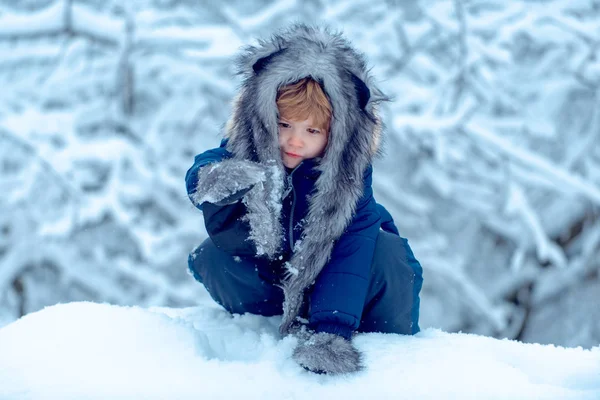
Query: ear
[[362, 91], [261, 63]]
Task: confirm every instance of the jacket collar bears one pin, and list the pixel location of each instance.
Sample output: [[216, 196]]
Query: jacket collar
[[307, 168]]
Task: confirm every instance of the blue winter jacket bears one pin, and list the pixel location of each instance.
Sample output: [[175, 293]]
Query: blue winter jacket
[[337, 297]]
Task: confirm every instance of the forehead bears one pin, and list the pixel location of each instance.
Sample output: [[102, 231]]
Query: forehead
[[298, 118]]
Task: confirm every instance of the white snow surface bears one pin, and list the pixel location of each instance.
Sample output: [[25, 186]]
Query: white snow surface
[[98, 351]]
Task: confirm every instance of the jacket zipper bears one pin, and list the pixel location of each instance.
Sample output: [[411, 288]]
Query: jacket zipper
[[289, 187], [293, 190], [291, 231]]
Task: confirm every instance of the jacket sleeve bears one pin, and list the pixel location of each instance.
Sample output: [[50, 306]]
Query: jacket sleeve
[[339, 293], [201, 160], [224, 223]]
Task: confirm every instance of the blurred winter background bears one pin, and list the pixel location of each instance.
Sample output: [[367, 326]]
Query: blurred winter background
[[492, 167]]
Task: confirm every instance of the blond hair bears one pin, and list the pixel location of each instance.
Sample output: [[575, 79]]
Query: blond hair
[[303, 99]]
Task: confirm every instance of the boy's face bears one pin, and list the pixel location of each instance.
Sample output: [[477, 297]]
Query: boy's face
[[300, 140]]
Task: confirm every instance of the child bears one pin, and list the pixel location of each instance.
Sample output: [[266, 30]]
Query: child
[[288, 205]]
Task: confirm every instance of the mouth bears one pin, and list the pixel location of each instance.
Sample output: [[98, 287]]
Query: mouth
[[293, 155]]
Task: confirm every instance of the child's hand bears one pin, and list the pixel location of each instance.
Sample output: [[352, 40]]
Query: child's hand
[[227, 181], [326, 353]]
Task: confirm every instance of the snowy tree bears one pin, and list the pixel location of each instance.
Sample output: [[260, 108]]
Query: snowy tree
[[492, 166]]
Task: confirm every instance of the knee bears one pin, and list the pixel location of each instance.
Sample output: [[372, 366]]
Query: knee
[[199, 259], [192, 267], [234, 282], [411, 260], [396, 281], [394, 259]]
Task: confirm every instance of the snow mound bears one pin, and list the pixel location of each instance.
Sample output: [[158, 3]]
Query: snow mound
[[99, 351]]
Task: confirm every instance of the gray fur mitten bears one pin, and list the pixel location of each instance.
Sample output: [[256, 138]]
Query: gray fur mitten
[[327, 353], [227, 181]]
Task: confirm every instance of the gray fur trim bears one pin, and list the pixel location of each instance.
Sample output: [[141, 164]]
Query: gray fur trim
[[224, 179], [327, 353], [261, 186], [263, 204], [327, 57]]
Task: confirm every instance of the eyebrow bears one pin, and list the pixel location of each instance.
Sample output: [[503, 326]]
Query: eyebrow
[[282, 119]]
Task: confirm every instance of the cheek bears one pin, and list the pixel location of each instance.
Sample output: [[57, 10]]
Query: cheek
[[320, 147], [323, 149], [325, 142]]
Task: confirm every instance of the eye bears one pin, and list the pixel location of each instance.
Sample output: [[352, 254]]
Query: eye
[[283, 125], [313, 131]]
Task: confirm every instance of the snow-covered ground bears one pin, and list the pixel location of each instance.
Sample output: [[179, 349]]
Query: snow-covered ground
[[100, 351]]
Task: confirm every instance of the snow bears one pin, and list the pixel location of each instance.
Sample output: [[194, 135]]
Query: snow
[[501, 108], [89, 22], [47, 20], [570, 181], [214, 41], [97, 351], [256, 20]]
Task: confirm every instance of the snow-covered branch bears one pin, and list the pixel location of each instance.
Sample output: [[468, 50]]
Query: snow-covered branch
[[564, 180], [67, 17], [492, 165]]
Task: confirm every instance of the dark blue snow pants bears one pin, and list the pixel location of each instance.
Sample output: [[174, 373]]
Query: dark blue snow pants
[[248, 285]]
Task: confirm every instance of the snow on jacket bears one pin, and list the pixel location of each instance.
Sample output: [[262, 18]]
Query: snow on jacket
[[340, 217]]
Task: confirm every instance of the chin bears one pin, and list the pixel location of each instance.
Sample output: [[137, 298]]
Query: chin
[[291, 165]]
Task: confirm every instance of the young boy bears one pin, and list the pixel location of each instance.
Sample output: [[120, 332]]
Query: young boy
[[288, 205]]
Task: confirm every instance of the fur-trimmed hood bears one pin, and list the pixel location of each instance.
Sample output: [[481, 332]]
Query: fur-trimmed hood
[[354, 138]]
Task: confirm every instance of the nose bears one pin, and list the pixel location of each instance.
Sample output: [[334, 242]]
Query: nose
[[295, 140]]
